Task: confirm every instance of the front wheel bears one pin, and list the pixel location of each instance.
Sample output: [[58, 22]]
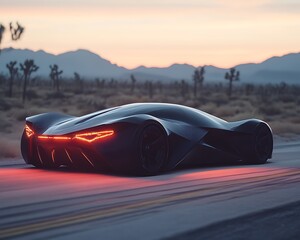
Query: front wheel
[[152, 149]]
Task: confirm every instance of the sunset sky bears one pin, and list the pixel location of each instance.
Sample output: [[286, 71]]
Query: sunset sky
[[159, 32]]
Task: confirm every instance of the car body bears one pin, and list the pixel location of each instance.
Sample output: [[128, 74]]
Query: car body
[[142, 138]]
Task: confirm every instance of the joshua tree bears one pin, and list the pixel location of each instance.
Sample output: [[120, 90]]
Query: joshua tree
[[159, 86], [2, 30], [78, 81], [97, 82], [198, 78], [232, 75], [54, 75], [282, 87], [27, 68], [149, 86], [112, 83], [102, 84], [183, 88], [77, 77], [133, 81], [15, 32], [13, 72], [249, 88]]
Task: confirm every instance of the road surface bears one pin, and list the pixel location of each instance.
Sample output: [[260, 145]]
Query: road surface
[[208, 202]]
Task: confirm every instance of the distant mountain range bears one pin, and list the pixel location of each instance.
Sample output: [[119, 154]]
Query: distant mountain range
[[89, 65]]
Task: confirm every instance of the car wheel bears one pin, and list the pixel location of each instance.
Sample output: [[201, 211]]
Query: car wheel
[[153, 149], [263, 144]]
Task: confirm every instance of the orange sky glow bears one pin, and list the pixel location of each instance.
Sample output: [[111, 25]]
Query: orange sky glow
[[159, 33]]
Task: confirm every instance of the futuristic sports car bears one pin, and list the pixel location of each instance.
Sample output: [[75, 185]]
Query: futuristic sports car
[[142, 138]]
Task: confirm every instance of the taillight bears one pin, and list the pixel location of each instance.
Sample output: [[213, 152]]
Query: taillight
[[54, 137], [87, 137], [28, 131], [93, 136]]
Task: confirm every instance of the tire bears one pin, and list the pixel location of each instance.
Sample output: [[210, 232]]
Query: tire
[[152, 149], [25, 147], [262, 145]]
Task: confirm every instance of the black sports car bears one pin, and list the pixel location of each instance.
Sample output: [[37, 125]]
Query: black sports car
[[142, 138]]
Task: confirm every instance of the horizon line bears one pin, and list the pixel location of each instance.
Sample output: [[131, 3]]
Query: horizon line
[[142, 65]]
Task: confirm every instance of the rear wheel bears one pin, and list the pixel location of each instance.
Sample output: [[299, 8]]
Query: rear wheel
[[153, 149], [263, 144]]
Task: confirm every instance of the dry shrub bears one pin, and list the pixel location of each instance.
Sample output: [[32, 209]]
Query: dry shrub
[[282, 127], [9, 103], [270, 109], [5, 124], [31, 94], [220, 99], [56, 95], [189, 103], [88, 103], [243, 104], [4, 105], [125, 99], [294, 119], [21, 114], [9, 148], [5, 127], [287, 98], [225, 111], [242, 116], [209, 107]]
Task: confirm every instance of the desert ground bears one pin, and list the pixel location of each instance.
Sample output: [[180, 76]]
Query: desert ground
[[276, 104]]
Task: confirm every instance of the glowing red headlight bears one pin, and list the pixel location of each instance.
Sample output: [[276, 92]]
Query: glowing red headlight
[[92, 136], [28, 131]]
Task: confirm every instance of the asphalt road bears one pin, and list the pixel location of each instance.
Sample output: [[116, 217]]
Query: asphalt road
[[207, 202]]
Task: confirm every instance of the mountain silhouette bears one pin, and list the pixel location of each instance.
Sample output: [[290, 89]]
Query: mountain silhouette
[[90, 66]]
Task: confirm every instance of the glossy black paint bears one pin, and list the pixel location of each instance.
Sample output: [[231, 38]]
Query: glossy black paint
[[164, 135]]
